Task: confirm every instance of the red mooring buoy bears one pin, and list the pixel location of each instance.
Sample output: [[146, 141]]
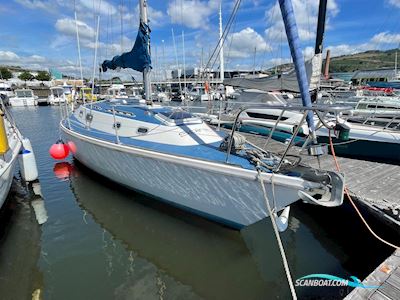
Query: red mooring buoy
[[59, 150], [63, 170], [72, 146]]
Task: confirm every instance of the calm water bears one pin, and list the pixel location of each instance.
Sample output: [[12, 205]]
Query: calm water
[[102, 241]]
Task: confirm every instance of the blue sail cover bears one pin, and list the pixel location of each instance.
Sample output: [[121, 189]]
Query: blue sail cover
[[138, 58], [297, 55]]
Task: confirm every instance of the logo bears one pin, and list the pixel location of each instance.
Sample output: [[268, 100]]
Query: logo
[[330, 280]]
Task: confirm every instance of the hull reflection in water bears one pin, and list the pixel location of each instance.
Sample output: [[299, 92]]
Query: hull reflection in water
[[173, 253], [197, 258]]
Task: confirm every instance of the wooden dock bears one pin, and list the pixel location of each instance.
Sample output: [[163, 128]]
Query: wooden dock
[[374, 186], [386, 276]]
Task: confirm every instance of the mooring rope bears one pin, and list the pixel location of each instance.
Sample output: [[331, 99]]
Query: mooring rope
[[278, 238], [352, 202]]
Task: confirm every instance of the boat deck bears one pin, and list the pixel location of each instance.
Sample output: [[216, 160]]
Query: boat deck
[[374, 186], [386, 276]]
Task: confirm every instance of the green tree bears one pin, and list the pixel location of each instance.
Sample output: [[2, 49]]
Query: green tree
[[43, 76], [26, 76], [5, 73]]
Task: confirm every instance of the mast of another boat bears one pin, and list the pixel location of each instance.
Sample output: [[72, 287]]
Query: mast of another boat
[[319, 40], [221, 48], [147, 70]]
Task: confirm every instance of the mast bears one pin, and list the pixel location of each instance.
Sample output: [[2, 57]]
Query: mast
[[254, 61], [395, 65], [146, 71], [184, 63], [321, 26], [221, 47], [298, 59]]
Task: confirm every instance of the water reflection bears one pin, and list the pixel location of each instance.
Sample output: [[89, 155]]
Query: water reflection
[[194, 256], [20, 245], [176, 253]]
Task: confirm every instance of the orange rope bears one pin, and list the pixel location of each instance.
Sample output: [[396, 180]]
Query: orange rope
[[352, 202]]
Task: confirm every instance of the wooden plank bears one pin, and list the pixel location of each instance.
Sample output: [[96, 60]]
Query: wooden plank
[[386, 276], [377, 295], [372, 183], [389, 290]]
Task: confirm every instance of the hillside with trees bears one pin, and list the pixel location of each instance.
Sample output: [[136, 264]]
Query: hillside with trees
[[373, 59]]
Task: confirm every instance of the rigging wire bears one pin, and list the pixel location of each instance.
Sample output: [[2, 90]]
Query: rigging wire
[[214, 55]]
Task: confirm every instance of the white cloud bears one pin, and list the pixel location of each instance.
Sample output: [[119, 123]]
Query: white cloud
[[378, 41], [278, 61], [386, 38], [8, 56], [243, 43], [192, 13], [308, 52], [34, 59], [38, 4], [11, 58], [67, 26], [306, 13], [103, 7], [394, 3]]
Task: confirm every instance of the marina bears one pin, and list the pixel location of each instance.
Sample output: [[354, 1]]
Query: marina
[[142, 242], [192, 152]]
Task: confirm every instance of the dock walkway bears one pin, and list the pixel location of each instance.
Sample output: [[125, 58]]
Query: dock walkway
[[386, 276], [376, 186]]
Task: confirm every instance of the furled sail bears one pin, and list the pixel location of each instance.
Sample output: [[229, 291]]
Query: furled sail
[[298, 60], [138, 58], [283, 82]]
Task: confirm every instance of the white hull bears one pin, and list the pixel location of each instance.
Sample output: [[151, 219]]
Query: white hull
[[23, 101], [221, 192], [56, 101], [8, 165]]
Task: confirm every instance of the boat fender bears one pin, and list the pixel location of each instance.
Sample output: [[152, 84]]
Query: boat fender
[[3, 135], [282, 221], [27, 162], [343, 131]]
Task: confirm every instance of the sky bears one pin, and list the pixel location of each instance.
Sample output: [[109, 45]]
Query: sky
[[41, 34]]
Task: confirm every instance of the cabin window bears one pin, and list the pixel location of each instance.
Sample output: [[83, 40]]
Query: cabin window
[[265, 116], [176, 115], [142, 130], [117, 125], [382, 106]]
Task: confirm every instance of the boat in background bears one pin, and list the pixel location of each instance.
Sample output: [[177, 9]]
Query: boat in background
[[116, 91], [6, 90], [24, 97], [57, 96]]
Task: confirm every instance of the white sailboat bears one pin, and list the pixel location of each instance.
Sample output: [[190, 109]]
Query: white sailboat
[[9, 157], [14, 149], [177, 158]]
